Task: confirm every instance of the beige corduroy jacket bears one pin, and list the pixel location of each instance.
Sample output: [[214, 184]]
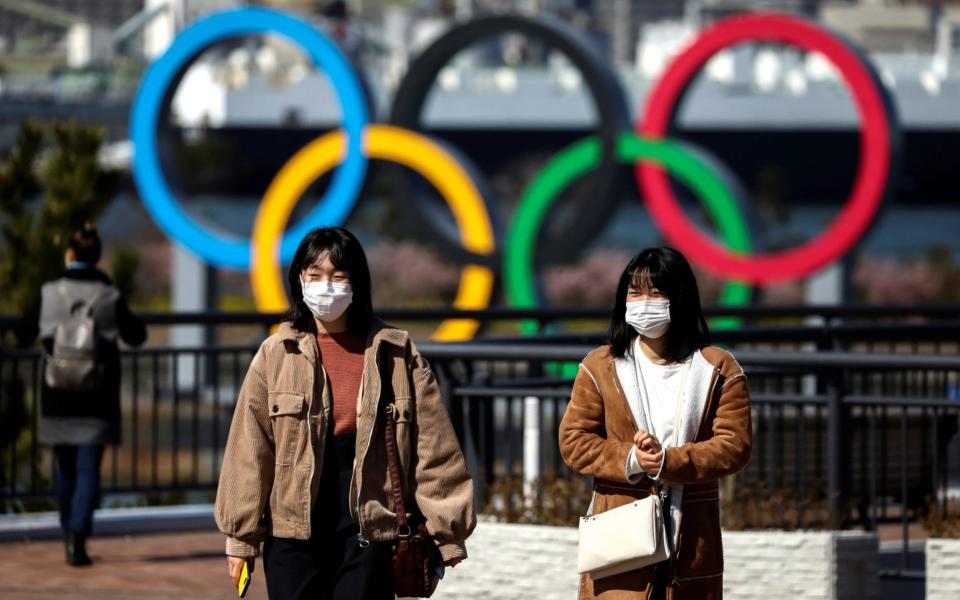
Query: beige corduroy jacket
[[271, 467]]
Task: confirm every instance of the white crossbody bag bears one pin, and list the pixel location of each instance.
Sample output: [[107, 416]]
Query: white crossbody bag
[[623, 539], [629, 537]]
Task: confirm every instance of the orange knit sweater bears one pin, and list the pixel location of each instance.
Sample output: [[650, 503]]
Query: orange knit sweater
[[342, 356]]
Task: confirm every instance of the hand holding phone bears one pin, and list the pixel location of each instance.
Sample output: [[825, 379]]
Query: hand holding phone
[[244, 582], [240, 570]]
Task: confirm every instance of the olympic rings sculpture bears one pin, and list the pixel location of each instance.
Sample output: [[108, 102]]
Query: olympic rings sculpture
[[879, 135], [388, 143], [713, 187], [477, 241], [153, 100]]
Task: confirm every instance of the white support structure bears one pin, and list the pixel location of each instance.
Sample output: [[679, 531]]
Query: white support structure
[[189, 294], [88, 44], [158, 34], [531, 445], [824, 288]]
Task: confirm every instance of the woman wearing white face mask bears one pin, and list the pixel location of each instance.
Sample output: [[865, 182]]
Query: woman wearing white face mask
[[306, 468], [659, 410]]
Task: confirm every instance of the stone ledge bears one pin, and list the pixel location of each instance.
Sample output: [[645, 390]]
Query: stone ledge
[[943, 569], [540, 562]]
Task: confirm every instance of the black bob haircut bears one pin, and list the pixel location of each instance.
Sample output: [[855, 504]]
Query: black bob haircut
[[346, 254], [668, 271]]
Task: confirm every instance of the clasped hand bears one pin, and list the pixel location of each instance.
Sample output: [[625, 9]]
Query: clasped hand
[[649, 453]]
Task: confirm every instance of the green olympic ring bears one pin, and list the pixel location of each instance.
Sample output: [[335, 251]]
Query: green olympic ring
[[717, 196]]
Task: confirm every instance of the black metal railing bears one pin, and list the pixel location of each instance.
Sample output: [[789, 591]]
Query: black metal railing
[[176, 408], [833, 326], [841, 439]]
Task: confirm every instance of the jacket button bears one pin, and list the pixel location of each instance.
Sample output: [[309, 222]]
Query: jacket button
[[276, 408]]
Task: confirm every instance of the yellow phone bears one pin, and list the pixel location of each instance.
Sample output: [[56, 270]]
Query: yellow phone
[[244, 582]]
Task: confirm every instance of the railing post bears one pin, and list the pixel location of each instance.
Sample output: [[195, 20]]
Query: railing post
[[904, 494], [835, 448]]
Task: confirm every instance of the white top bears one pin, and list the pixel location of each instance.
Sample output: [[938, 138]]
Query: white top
[[661, 388]]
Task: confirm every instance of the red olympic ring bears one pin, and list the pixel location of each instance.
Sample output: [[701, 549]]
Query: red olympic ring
[[869, 188]]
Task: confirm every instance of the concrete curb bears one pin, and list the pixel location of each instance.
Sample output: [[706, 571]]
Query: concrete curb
[[111, 521]]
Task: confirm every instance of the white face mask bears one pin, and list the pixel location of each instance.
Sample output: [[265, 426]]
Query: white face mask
[[325, 299], [651, 318]]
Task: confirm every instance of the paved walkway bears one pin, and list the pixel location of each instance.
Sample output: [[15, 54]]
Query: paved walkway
[[186, 565], [154, 566]]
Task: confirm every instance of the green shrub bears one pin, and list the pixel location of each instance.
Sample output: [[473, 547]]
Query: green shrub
[[554, 500], [942, 521]]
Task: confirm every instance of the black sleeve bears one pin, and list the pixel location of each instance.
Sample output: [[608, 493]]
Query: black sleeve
[[28, 326], [132, 330]]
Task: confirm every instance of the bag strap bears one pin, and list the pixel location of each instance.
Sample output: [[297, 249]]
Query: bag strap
[[663, 491], [646, 407], [62, 288], [91, 304], [393, 465], [100, 295]]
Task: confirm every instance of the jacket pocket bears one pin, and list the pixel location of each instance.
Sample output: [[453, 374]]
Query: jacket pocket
[[700, 553], [287, 415]]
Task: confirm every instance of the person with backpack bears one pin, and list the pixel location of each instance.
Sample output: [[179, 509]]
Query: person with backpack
[[80, 317]]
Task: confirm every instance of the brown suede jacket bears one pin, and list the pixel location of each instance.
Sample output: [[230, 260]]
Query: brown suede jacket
[[596, 434], [274, 453]]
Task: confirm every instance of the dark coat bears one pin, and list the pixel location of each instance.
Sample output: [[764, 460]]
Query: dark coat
[[84, 418]]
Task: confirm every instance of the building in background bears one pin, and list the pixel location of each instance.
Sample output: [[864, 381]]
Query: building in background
[[757, 106]]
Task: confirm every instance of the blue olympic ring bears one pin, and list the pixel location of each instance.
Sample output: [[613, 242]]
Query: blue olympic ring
[[340, 197]]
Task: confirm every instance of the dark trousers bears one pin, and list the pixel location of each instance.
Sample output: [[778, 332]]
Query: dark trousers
[[78, 486], [332, 565], [335, 568]]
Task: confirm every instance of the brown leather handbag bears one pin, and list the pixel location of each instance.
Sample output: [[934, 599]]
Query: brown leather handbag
[[416, 558]]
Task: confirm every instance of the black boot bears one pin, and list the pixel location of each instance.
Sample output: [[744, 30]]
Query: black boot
[[77, 550]]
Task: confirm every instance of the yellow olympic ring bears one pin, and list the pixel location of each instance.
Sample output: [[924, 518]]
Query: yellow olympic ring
[[403, 147]]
